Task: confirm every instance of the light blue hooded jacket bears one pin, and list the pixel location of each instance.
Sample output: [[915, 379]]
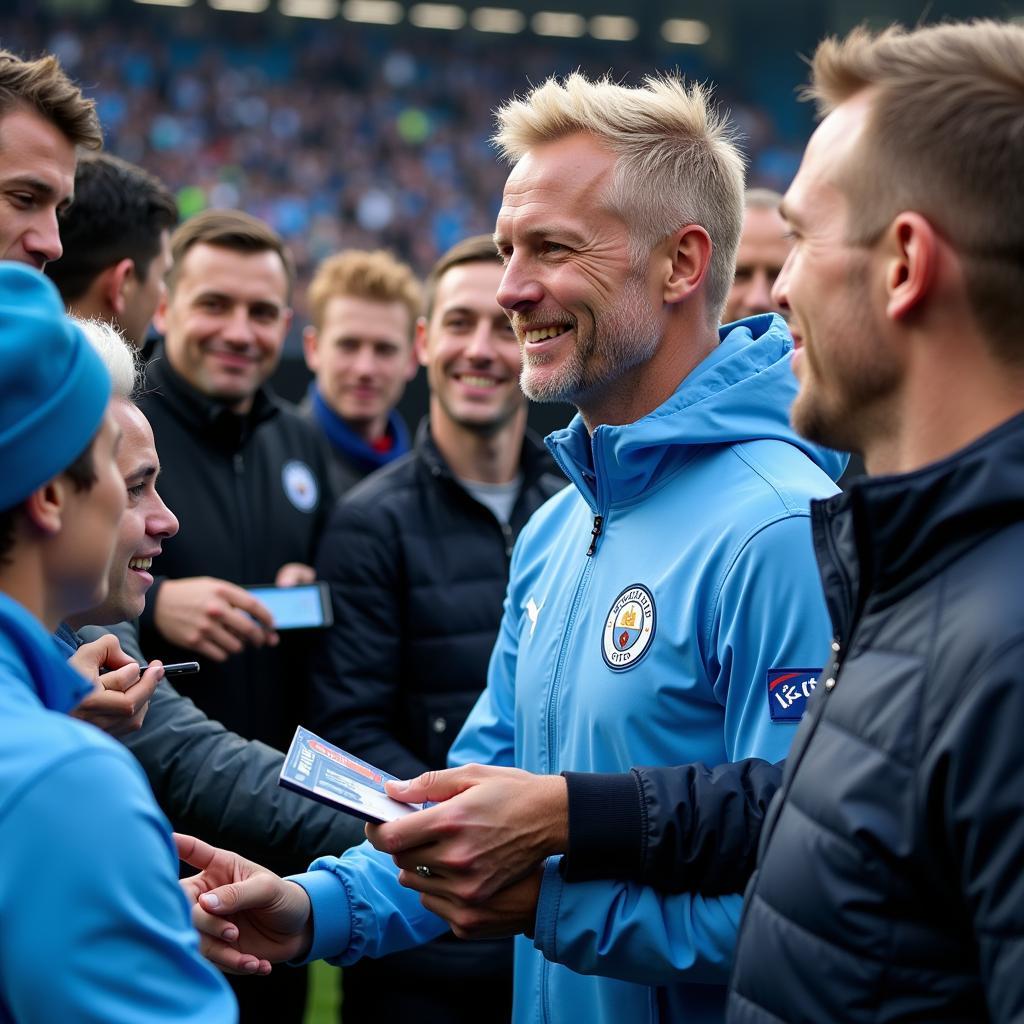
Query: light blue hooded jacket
[[648, 645], [94, 927]]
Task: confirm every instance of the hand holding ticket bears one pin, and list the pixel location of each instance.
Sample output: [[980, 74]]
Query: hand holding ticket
[[324, 772]]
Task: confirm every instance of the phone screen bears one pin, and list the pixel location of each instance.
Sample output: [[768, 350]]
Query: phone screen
[[302, 607]]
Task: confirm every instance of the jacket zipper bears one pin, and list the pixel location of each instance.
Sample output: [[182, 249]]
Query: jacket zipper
[[238, 464], [594, 534]]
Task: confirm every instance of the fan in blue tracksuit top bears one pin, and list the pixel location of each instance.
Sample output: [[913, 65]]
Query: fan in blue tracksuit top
[[650, 638]]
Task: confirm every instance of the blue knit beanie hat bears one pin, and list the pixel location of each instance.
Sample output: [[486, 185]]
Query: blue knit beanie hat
[[54, 388]]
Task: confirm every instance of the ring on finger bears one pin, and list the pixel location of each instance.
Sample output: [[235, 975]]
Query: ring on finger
[[423, 871]]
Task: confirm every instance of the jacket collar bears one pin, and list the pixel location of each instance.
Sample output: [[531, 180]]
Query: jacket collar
[[888, 535], [740, 392], [203, 415], [33, 658]]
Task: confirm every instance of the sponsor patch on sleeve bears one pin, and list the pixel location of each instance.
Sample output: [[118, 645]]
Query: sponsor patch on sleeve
[[788, 690]]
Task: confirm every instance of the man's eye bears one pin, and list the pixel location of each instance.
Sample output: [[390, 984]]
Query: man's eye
[[136, 492], [23, 200]]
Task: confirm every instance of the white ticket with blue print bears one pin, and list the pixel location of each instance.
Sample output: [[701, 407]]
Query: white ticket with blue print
[[321, 771]]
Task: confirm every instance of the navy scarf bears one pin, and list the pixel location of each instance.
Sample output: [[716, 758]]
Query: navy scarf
[[361, 453]]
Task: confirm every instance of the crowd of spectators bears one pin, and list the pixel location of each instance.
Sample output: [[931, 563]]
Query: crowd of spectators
[[338, 135]]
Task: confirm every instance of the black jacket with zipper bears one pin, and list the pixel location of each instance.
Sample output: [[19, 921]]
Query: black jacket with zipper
[[251, 494], [417, 569], [890, 881]]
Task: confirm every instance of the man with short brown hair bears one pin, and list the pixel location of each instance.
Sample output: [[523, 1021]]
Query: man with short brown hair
[[43, 118], [364, 307]]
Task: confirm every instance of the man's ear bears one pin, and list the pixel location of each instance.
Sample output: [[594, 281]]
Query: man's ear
[[419, 345], [46, 506], [911, 251], [160, 316], [310, 340], [115, 283], [689, 256]]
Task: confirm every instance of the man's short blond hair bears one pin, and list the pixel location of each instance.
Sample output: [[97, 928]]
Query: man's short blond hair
[[374, 276], [677, 162], [944, 138]]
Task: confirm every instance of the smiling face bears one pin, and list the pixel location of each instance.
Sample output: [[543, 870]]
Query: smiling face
[[37, 179], [146, 522], [470, 351], [362, 357], [226, 320], [835, 296], [583, 313]]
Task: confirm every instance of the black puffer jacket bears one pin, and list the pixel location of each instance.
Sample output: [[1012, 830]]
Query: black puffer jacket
[[890, 885], [418, 570]]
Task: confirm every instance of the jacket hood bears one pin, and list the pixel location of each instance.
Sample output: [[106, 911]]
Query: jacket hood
[[741, 392]]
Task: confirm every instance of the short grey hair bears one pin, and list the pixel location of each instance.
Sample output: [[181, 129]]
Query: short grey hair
[[118, 354], [678, 162]]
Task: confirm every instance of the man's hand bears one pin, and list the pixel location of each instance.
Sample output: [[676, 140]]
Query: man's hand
[[247, 917], [294, 574], [494, 826], [121, 698], [212, 617], [511, 911]]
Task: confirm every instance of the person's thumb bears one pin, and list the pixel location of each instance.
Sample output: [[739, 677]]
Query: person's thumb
[[430, 786], [236, 897]]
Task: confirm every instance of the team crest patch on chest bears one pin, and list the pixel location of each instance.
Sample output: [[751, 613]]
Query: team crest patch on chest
[[300, 485], [628, 628]]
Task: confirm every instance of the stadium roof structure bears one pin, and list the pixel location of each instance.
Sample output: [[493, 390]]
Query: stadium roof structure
[[726, 29]]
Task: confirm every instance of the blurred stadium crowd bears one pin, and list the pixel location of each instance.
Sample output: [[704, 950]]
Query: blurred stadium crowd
[[345, 137]]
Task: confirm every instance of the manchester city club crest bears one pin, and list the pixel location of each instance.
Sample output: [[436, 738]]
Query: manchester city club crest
[[628, 628], [300, 485]]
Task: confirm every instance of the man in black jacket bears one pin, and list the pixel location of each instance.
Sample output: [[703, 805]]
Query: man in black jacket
[[247, 477], [888, 885], [417, 557]]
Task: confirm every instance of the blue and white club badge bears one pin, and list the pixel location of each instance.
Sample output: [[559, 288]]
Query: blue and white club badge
[[628, 628], [300, 485]]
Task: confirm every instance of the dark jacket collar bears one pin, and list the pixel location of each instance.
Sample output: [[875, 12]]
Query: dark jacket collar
[[534, 460], [888, 535], [207, 417]]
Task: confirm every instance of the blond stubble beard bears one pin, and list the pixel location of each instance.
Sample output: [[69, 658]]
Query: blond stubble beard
[[624, 338]]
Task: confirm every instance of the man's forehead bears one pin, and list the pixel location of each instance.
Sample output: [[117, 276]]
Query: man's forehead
[[831, 152], [255, 276], [471, 285], [566, 174]]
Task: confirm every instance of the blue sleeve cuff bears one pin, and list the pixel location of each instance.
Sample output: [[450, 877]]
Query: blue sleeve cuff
[[546, 925], [332, 914]]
